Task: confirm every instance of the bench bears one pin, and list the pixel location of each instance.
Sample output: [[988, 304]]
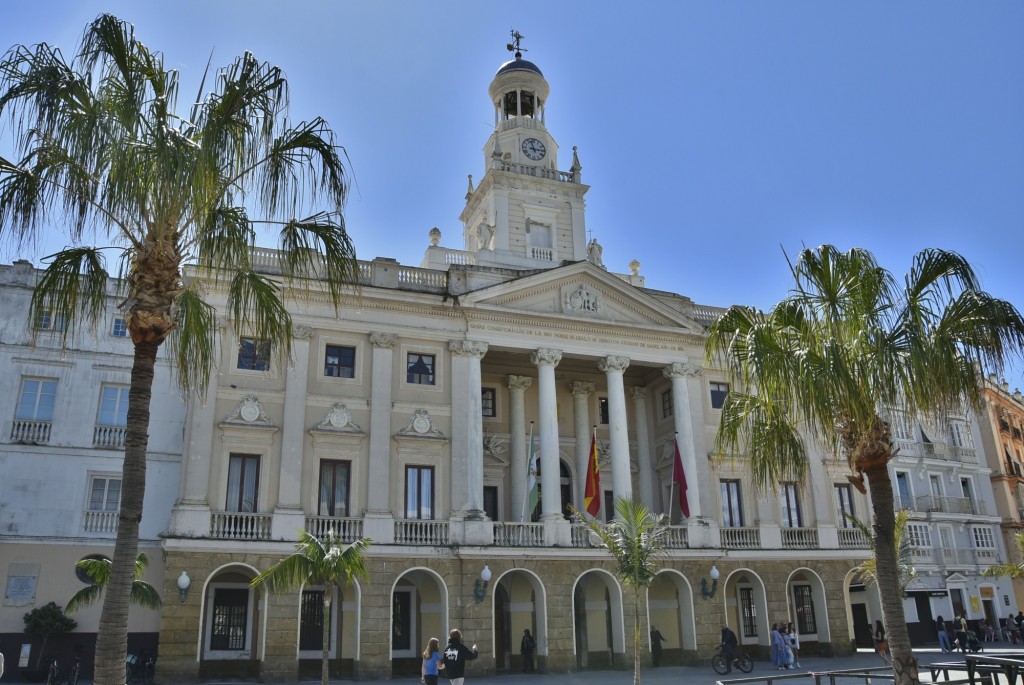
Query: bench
[[985, 667]]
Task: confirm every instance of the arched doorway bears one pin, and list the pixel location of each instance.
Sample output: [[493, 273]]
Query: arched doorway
[[598, 629], [670, 608], [808, 611], [419, 611], [746, 607], [230, 622], [343, 619], [519, 604]]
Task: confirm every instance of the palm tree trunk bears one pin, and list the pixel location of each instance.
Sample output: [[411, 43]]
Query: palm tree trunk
[[112, 639], [904, 663], [326, 636], [636, 635]]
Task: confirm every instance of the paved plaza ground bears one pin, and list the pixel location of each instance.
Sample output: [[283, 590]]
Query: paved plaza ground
[[667, 675]]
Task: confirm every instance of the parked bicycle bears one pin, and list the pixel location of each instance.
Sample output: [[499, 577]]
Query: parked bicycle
[[740, 661], [138, 669]]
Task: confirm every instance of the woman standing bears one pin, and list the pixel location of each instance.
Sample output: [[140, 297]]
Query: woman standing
[[881, 644], [778, 647], [794, 643], [431, 662], [940, 628]]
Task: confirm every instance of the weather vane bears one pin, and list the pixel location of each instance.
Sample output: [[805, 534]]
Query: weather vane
[[514, 45]]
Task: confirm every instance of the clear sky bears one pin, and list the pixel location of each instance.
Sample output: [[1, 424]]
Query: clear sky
[[714, 135]]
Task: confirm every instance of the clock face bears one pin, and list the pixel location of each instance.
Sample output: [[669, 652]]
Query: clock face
[[534, 149]]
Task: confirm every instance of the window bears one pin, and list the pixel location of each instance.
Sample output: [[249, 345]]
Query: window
[[960, 434], [602, 410], [609, 505], [965, 487], [748, 611], [243, 483], [47, 320], [230, 619], [903, 490], [732, 509], [902, 426], [491, 501], [340, 361], [488, 403], [666, 404], [789, 505], [253, 354], [104, 493], [113, 405], [804, 605], [419, 492], [420, 369], [120, 329], [919, 535], [36, 400], [718, 393], [983, 538], [311, 620], [334, 488], [844, 504]]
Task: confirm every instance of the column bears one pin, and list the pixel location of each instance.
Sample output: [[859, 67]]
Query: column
[[581, 391], [191, 514], [679, 372], [467, 472], [517, 386], [622, 480], [288, 514], [546, 360], [378, 521], [643, 447]]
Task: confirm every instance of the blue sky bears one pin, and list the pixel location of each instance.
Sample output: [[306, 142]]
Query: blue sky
[[714, 135]]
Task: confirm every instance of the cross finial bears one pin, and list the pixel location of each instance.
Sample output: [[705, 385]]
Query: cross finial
[[515, 44]]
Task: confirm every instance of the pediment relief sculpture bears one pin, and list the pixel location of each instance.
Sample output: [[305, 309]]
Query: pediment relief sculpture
[[420, 426], [580, 299], [248, 412], [338, 420]]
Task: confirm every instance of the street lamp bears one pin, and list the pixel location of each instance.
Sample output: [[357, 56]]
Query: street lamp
[[708, 594], [184, 582], [480, 586]]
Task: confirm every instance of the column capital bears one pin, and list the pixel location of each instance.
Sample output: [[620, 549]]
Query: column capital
[[581, 388], [467, 348], [613, 363], [302, 332], [385, 340], [519, 382], [638, 392], [680, 370], [546, 356]]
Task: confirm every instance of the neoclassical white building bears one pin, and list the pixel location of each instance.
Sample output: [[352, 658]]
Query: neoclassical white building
[[410, 416]]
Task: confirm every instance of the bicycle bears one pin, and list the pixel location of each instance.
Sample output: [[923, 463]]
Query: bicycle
[[741, 661], [56, 676], [131, 672]]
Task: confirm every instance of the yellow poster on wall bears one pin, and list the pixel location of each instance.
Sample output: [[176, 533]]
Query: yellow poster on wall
[[975, 604]]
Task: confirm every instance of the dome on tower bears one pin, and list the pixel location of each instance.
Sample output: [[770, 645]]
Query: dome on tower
[[518, 64]]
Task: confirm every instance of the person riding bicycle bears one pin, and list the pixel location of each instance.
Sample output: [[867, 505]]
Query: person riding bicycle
[[729, 643]]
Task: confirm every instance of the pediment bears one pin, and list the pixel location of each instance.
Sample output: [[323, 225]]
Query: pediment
[[580, 291]]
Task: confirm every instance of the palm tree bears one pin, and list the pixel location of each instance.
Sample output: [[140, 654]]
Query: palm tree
[[636, 539], [98, 570], [102, 149], [329, 563], [868, 569], [848, 345]]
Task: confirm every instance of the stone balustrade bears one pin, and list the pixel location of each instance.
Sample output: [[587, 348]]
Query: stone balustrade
[[420, 532], [109, 436], [31, 432], [99, 521], [346, 529], [227, 525]]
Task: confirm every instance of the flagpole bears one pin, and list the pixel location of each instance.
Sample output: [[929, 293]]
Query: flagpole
[[529, 465]]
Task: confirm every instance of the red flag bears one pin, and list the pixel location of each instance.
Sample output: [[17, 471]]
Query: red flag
[[679, 477], [592, 494]]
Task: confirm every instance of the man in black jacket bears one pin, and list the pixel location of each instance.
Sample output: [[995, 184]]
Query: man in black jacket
[[729, 642], [456, 655]]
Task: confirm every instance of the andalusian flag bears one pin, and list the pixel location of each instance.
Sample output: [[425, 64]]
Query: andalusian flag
[[531, 487], [592, 494]]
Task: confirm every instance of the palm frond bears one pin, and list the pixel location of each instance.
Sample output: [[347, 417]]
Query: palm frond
[[194, 341], [73, 285], [635, 538], [257, 309], [318, 250], [317, 562]]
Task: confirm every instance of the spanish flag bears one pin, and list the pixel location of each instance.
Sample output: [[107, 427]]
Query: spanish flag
[[592, 494]]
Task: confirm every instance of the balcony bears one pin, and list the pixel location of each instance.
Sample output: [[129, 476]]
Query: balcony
[[226, 525], [950, 505], [798, 538], [99, 521], [507, 534], [677, 538], [952, 556], [109, 436], [345, 529], [421, 532], [853, 538], [31, 432], [741, 538], [583, 536]]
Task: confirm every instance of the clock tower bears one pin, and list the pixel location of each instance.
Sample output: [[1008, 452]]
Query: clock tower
[[524, 213]]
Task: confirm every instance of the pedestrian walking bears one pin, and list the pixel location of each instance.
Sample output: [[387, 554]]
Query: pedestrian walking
[[881, 644], [794, 644], [456, 655], [656, 640], [431, 662], [940, 629]]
